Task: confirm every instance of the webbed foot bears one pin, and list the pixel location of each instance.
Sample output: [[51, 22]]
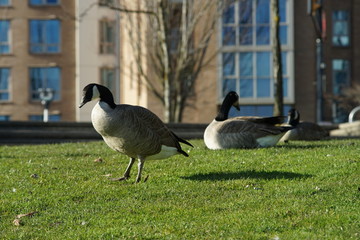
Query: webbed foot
[[119, 179]]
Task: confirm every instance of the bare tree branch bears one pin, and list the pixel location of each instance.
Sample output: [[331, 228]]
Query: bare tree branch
[[173, 64]]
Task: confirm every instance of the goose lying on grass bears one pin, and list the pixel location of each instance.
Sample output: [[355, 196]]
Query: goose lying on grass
[[132, 130], [242, 132], [302, 130]]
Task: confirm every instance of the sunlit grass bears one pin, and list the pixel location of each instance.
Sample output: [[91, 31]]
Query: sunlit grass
[[301, 190]]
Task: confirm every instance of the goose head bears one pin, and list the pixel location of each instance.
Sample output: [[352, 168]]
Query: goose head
[[230, 100], [95, 91], [293, 117]]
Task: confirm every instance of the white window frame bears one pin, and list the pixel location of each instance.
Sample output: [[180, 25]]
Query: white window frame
[[57, 94], [289, 48], [44, 45], [348, 28], [105, 81], [44, 4], [9, 85], [9, 38], [104, 45]]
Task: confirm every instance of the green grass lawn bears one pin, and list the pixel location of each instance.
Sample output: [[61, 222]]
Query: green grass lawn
[[301, 190]]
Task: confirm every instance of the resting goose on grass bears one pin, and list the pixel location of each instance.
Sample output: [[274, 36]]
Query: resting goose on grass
[[302, 130], [132, 130], [242, 132]]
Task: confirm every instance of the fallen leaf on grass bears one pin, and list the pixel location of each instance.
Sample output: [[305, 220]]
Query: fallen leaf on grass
[[17, 221], [107, 175], [98, 160], [26, 214]]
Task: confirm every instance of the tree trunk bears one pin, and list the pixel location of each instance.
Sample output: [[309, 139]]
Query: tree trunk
[[276, 53], [166, 68], [180, 65]]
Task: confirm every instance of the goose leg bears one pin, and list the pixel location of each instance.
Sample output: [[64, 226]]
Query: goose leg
[[140, 167], [127, 171]]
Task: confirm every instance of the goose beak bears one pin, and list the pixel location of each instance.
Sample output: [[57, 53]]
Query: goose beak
[[237, 105], [81, 104]]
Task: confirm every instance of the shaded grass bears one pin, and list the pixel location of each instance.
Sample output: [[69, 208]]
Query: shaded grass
[[301, 190]]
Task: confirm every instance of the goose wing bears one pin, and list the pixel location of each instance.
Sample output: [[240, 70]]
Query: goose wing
[[152, 131], [239, 133], [263, 120], [310, 131], [256, 129]]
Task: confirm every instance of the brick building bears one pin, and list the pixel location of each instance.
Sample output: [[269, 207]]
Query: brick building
[[65, 44], [37, 50]]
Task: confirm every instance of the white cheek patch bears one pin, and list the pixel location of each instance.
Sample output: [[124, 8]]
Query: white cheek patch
[[95, 93], [296, 116]]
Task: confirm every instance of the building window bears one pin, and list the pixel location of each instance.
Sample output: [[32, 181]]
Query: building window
[[341, 80], [107, 37], [4, 3], [341, 28], [247, 22], [45, 77], [257, 110], [39, 118], [4, 36], [246, 52], [4, 84], [4, 118], [106, 2], [108, 78], [43, 2], [45, 36], [341, 75], [174, 39]]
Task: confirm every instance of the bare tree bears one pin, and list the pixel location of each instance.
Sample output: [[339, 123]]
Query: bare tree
[[276, 53], [347, 99], [175, 47]]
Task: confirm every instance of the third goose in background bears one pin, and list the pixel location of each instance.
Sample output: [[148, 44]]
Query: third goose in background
[[302, 130], [242, 132]]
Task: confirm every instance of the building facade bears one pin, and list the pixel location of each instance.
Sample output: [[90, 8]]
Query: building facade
[[64, 45], [37, 51], [97, 51]]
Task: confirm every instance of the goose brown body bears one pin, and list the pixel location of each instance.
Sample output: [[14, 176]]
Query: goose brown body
[[132, 130], [242, 132], [306, 131]]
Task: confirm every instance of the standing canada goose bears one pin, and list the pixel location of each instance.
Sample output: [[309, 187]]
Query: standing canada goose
[[302, 130], [242, 132], [132, 130]]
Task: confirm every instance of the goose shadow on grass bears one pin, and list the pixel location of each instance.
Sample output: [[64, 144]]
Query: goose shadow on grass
[[223, 176], [297, 146]]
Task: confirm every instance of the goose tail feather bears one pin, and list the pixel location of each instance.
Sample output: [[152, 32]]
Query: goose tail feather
[[183, 152], [182, 140], [269, 120]]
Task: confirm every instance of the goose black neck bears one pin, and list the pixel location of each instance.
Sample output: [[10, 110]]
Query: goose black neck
[[224, 110], [294, 121], [106, 96]]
